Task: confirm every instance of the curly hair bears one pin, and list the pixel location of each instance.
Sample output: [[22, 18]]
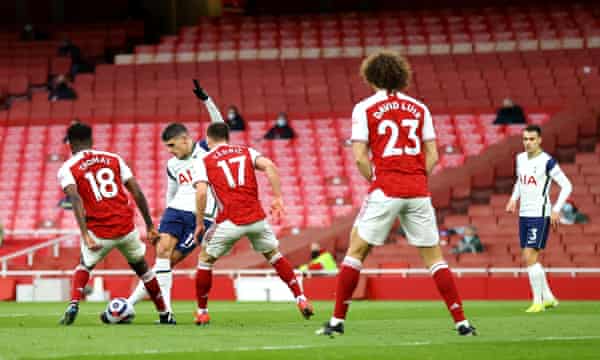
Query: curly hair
[[386, 70]]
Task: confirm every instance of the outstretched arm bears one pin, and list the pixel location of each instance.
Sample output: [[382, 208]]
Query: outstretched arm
[[213, 110]]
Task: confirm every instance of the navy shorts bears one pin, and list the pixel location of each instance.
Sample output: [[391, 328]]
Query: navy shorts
[[181, 224], [533, 232]]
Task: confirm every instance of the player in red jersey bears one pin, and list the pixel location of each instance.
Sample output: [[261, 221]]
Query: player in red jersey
[[95, 182], [230, 172], [398, 131]]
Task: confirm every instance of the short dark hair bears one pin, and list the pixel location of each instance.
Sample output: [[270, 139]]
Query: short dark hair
[[386, 70], [173, 130], [218, 131], [533, 128], [79, 133]]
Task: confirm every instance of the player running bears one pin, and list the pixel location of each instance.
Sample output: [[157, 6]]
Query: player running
[[230, 172], [535, 172], [178, 222], [95, 182], [398, 131]]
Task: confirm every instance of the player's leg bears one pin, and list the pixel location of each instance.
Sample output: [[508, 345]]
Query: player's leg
[[371, 228], [203, 286], [81, 275], [533, 234], [217, 241], [264, 241], [133, 249], [419, 223]]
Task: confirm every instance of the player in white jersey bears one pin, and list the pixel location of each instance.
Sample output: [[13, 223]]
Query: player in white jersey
[[535, 172], [178, 222]]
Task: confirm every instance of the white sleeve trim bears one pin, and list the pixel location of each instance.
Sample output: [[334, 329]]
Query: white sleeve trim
[[565, 187], [213, 111], [65, 177], [126, 173], [428, 129], [360, 126], [199, 172]]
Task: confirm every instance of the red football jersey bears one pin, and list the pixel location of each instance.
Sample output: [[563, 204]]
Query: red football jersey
[[99, 177], [395, 127], [230, 172]]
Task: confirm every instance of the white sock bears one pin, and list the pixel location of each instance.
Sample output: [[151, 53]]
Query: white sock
[[202, 311], [536, 274], [334, 321], [138, 294], [162, 268], [547, 294], [460, 323]]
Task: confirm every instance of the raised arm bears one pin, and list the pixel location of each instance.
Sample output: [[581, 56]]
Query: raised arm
[[213, 110]]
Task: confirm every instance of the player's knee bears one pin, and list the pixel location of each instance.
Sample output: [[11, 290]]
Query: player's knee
[[140, 267], [269, 254], [205, 258], [164, 248]]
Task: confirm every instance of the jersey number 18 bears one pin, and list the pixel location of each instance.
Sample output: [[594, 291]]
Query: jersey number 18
[[102, 183]]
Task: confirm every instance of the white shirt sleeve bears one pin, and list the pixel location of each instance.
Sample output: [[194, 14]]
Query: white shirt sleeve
[[213, 111], [199, 172], [126, 173], [360, 126], [565, 187], [65, 177], [254, 154], [428, 130], [516, 194], [171, 186]]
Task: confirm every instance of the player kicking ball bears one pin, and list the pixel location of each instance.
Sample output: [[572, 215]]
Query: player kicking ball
[[230, 172], [95, 182], [535, 172], [176, 240], [398, 131]]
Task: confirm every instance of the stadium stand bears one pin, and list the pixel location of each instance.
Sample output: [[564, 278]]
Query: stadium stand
[[545, 59]]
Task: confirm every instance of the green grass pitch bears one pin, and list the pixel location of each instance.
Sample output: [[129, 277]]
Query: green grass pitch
[[375, 330]]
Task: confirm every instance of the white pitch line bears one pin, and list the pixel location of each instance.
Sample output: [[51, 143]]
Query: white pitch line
[[314, 346]]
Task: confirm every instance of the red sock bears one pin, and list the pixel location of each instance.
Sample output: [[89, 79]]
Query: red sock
[[154, 291], [80, 279], [346, 283], [444, 280], [286, 274], [203, 285]]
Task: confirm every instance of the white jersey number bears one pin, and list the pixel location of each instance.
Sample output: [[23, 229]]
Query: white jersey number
[[241, 179], [390, 147], [102, 183]]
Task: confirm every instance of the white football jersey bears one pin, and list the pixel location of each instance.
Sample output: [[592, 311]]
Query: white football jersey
[[181, 194], [534, 180]]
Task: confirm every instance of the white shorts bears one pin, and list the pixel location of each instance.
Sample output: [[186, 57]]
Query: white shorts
[[416, 215], [130, 245], [220, 238]]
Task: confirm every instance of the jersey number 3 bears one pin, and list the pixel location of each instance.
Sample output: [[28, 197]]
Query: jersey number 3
[[102, 183], [241, 179], [390, 147]]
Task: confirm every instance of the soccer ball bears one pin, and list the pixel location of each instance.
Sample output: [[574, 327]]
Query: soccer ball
[[118, 311]]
